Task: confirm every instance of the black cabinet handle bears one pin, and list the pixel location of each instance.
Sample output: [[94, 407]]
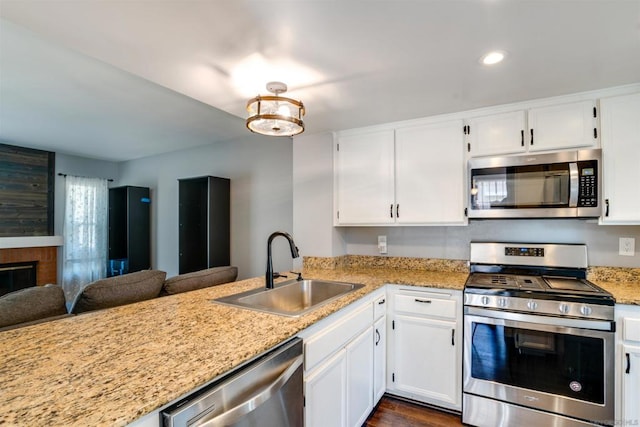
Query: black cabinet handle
[[391, 210], [628, 364], [453, 337], [381, 302], [377, 337], [424, 301], [531, 136], [522, 137], [606, 203], [398, 210]]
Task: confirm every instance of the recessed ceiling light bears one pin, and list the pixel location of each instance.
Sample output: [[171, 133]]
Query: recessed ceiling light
[[492, 57]]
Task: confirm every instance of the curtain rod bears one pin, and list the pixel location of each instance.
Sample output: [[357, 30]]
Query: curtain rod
[[65, 175]]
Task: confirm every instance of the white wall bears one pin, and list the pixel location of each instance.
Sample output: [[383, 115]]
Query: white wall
[[313, 198], [453, 242], [260, 169]]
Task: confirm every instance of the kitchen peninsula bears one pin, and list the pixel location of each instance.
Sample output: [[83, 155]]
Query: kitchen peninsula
[[113, 366]]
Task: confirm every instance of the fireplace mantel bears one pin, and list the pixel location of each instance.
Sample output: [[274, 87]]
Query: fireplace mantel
[[30, 242]]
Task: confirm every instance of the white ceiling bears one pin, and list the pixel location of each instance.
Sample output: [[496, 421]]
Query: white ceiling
[[120, 80]]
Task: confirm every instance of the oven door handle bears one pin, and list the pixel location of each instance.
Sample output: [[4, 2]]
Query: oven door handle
[[560, 322]]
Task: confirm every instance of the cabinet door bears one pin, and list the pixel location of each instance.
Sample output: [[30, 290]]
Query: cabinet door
[[620, 124], [359, 378], [424, 360], [379, 358], [562, 126], [430, 159], [630, 383], [497, 134], [365, 181], [325, 391]]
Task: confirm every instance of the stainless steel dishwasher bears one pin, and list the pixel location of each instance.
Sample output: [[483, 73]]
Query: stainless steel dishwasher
[[266, 392]]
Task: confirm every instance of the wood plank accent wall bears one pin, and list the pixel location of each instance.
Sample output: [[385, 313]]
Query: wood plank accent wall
[[47, 257], [26, 191]]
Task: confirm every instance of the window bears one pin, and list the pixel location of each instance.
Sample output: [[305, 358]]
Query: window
[[85, 233]]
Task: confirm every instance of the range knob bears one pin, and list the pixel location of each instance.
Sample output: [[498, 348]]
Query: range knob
[[502, 302], [585, 310], [484, 300], [532, 305], [564, 308]]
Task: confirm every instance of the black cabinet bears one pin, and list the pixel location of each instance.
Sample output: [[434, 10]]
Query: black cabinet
[[129, 230], [204, 223]]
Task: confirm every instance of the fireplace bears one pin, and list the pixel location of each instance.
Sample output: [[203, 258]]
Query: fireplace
[[17, 275], [41, 252]]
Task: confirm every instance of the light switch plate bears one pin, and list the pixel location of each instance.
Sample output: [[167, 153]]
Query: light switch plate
[[382, 244], [627, 246]]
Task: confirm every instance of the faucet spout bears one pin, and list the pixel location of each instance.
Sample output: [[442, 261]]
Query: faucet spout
[[294, 253]]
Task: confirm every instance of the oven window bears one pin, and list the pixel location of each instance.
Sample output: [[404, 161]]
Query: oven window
[[567, 365]]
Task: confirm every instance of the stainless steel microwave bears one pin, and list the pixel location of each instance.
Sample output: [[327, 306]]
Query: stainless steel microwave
[[566, 184]]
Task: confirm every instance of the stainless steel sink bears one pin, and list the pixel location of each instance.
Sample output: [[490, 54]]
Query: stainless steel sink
[[291, 298]]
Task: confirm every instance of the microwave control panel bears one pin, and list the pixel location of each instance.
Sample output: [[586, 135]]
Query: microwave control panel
[[588, 184]]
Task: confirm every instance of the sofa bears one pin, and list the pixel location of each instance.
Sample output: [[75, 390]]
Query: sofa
[[42, 303]]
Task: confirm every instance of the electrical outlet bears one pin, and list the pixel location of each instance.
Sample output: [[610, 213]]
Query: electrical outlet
[[382, 244], [627, 246]]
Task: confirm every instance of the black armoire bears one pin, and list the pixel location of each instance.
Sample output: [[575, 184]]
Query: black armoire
[[129, 230], [204, 223]]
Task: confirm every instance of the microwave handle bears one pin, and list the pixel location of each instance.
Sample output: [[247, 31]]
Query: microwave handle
[[574, 185]]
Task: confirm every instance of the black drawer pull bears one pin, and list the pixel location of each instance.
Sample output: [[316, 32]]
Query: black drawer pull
[[453, 337], [628, 364], [424, 301], [382, 302], [377, 337]]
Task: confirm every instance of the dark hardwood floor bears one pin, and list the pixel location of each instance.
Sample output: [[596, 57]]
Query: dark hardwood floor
[[399, 413]]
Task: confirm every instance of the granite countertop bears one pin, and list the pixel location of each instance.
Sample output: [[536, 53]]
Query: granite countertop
[[113, 366]]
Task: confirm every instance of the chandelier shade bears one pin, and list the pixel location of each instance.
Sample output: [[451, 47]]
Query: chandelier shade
[[275, 115]]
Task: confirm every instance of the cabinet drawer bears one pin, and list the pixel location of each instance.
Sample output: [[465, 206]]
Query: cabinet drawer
[[379, 307], [426, 304], [336, 336], [631, 329]]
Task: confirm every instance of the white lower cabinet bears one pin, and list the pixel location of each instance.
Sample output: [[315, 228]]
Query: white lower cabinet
[[325, 392], [339, 363], [425, 346], [359, 378], [628, 365], [379, 359]]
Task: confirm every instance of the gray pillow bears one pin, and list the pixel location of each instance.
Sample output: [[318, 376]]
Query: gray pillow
[[119, 290], [34, 303], [200, 279]]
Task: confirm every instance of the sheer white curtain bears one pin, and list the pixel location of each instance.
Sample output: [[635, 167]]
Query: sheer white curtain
[[85, 233]]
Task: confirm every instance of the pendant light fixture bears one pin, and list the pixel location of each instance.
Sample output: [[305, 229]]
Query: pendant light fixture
[[275, 115]]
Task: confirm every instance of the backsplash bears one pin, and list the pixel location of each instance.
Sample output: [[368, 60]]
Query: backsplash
[[402, 263], [595, 274], [613, 274]]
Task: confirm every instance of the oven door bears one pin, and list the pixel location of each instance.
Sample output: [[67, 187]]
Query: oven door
[[541, 362]]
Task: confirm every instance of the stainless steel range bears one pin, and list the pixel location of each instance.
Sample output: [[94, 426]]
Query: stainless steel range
[[538, 338]]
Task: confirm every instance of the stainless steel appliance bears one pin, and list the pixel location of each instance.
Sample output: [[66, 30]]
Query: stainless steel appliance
[[558, 185], [538, 338], [266, 392]]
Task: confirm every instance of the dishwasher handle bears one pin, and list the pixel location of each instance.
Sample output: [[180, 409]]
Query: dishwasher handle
[[232, 415]]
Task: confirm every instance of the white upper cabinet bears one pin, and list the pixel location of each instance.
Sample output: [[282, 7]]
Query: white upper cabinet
[[430, 174], [496, 134], [556, 127], [620, 124], [563, 126], [398, 176], [365, 178]]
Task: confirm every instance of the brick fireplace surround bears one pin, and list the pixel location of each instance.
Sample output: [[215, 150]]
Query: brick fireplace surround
[[46, 270]]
